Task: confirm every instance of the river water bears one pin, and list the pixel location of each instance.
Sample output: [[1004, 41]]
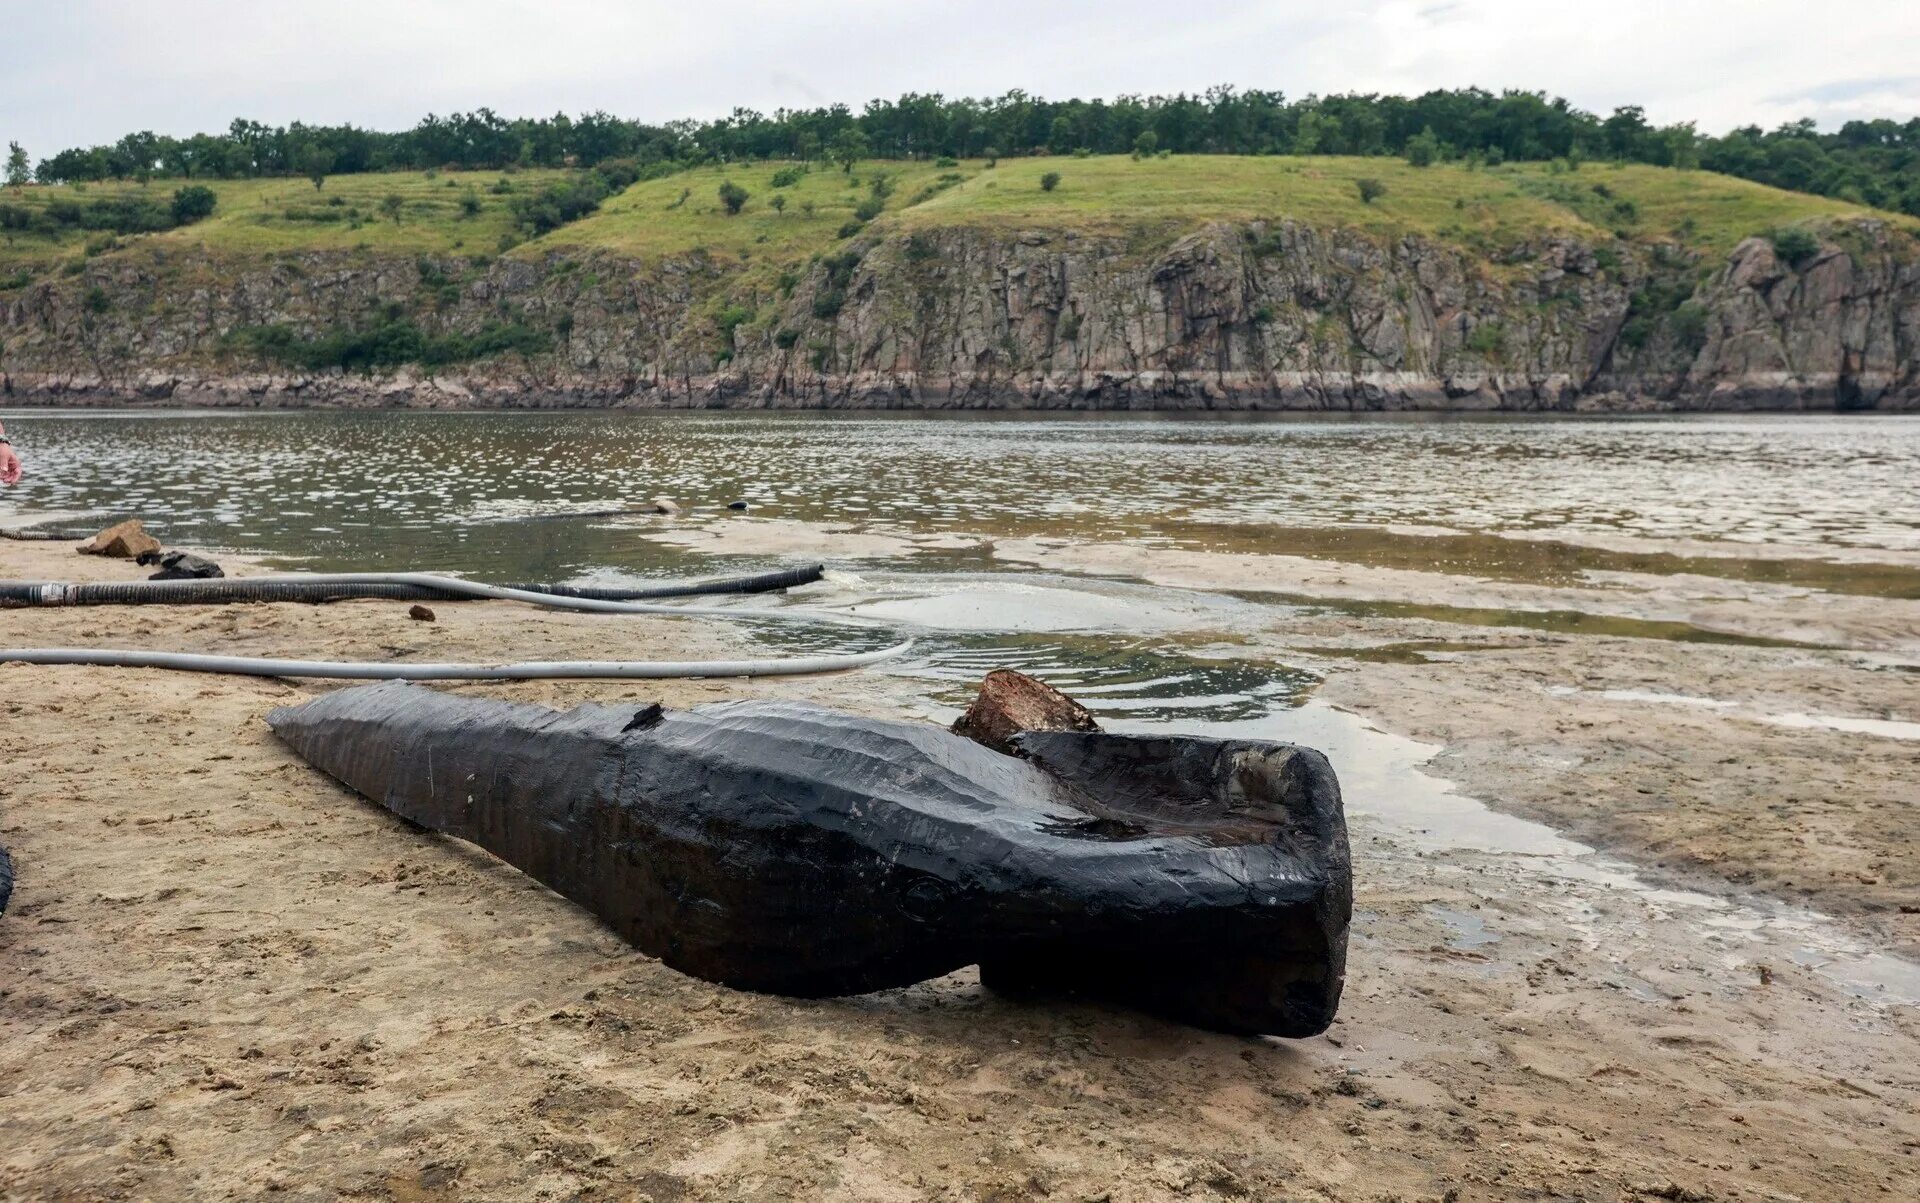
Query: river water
[[435, 490]]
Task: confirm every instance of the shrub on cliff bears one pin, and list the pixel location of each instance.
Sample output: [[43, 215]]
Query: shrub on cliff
[[131, 214], [733, 196], [831, 295], [1489, 339], [1049, 181], [391, 340], [1370, 190], [557, 204], [192, 203], [730, 319], [618, 173], [1794, 244]]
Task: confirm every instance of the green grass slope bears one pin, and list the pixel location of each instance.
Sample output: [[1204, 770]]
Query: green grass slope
[[1481, 209]]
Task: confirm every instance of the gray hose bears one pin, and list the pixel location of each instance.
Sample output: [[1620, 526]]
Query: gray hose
[[223, 590], [54, 594], [537, 671], [367, 671], [453, 584]]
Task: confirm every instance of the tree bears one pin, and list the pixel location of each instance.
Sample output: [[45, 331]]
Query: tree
[[1370, 190], [848, 147], [733, 196], [19, 171], [1049, 181], [315, 163], [470, 203], [779, 203], [391, 204], [1423, 148], [192, 203], [1316, 134], [1146, 144]]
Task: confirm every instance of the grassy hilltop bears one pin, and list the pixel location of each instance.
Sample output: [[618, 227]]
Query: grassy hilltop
[[1483, 209]]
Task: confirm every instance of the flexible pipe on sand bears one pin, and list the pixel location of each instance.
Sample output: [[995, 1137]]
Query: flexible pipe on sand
[[50, 595], [536, 671], [47, 595], [311, 588], [453, 584]]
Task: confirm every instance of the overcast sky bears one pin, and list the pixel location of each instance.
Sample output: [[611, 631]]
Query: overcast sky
[[85, 71]]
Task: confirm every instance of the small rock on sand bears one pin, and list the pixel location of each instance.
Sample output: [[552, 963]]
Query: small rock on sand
[[125, 540]]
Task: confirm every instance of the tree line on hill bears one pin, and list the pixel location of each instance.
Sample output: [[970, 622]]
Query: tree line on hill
[[1868, 162]]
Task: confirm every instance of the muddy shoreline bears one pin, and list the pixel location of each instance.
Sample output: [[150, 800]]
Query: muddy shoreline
[[225, 977]]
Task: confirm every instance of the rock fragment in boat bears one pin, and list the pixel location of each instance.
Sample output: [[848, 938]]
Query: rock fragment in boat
[[1010, 702], [792, 849]]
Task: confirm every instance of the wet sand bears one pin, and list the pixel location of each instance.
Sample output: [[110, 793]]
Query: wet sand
[[225, 977]]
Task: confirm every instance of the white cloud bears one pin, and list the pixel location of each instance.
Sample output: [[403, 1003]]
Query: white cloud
[[89, 70]]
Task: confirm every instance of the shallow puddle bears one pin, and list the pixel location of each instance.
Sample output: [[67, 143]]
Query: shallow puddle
[[1653, 696], [1560, 622], [1534, 561], [1412, 651], [1466, 930], [1882, 727]]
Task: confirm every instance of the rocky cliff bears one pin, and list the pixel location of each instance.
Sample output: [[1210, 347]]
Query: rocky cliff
[[1259, 316]]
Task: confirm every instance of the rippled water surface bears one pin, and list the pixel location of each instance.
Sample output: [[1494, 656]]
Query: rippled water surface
[[445, 490]]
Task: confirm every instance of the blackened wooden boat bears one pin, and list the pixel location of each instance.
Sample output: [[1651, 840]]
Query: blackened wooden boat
[[787, 848]]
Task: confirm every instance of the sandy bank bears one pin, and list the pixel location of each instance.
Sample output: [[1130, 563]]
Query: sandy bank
[[227, 978]]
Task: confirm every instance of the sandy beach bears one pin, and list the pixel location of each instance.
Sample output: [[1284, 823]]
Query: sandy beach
[[1660, 962]]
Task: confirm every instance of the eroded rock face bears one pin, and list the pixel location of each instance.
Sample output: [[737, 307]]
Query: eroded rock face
[[782, 847], [1010, 702], [1266, 315]]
